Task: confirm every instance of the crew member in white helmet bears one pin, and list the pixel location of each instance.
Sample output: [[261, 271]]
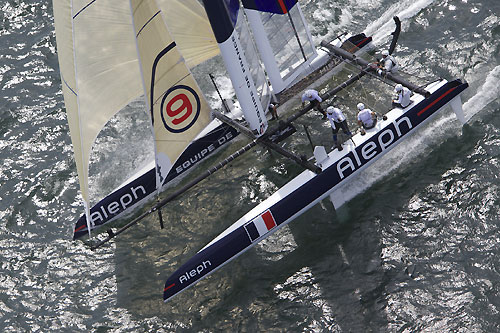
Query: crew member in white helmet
[[403, 95], [388, 64], [337, 121], [312, 96], [366, 118], [273, 110]]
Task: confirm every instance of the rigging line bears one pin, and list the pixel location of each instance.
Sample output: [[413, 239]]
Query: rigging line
[[297, 36], [367, 104], [357, 69], [381, 79], [85, 7], [365, 92], [367, 96], [389, 82], [359, 83], [418, 77], [188, 141], [68, 86], [176, 194]]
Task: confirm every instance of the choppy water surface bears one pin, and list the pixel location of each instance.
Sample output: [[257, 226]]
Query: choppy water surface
[[415, 250]]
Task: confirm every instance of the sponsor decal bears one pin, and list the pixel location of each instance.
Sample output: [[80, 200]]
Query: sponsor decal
[[190, 160], [194, 272], [180, 108], [373, 147], [105, 212], [243, 67], [132, 193]]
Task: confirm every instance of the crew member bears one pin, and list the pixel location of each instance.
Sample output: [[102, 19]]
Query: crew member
[[403, 95], [312, 96], [337, 121], [366, 118], [389, 64], [273, 111]]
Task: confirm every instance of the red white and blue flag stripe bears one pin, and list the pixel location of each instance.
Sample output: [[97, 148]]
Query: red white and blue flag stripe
[[260, 226]]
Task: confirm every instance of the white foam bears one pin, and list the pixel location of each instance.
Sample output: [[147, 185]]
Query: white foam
[[417, 144], [382, 27], [488, 92]]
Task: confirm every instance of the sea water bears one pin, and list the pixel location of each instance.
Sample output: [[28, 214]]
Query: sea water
[[416, 248]]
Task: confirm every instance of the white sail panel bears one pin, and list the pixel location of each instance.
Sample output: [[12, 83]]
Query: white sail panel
[[106, 58], [188, 23], [179, 109], [64, 37], [107, 72]]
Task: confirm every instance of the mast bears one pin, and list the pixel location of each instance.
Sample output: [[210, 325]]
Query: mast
[[223, 15], [283, 39]]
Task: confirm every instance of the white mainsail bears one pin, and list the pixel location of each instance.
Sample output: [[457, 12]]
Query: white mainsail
[[100, 70]]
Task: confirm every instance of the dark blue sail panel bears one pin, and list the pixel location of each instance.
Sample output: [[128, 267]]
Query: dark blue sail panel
[[270, 6], [222, 15]]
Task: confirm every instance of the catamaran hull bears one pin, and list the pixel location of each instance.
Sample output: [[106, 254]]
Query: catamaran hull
[[141, 187], [308, 188]]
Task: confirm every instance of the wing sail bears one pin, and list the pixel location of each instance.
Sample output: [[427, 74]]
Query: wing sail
[[177, 106]]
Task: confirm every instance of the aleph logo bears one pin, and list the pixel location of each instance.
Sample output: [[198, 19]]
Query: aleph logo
[[180, 108]]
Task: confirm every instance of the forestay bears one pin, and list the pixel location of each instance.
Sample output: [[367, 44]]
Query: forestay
[[283, 39]]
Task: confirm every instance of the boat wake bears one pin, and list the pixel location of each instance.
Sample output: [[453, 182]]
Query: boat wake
[[382, 27], [444, 126], [486, 94]]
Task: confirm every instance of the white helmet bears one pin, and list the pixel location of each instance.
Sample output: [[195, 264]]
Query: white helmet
[[385, 53], [399, 87], [360, 106], [330, 109]]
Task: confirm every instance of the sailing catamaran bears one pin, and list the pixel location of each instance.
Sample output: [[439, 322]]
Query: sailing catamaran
[[87, 87], [179, 112], [310, 187]]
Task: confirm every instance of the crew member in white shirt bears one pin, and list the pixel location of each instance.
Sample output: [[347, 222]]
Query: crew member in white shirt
[[389, 64], [312, 96], [403, 95], [366, 118], [337, 121]]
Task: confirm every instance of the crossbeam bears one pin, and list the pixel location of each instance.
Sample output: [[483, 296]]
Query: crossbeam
[[263, 139], [363, 63]]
